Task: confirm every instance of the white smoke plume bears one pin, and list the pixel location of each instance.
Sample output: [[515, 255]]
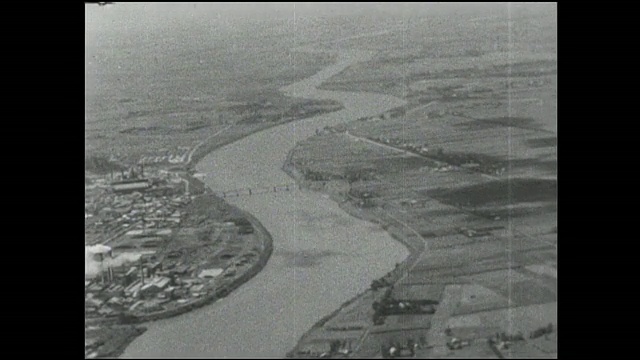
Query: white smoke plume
[[122, 259], [93, 267], [98, 249]]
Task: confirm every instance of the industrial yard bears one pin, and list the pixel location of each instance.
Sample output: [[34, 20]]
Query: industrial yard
[[157, 245]]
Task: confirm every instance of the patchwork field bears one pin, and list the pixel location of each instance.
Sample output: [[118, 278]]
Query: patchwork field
[[467, 169]]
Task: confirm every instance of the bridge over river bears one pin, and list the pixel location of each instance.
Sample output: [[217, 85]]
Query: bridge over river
[[257, 190], [266, 316]]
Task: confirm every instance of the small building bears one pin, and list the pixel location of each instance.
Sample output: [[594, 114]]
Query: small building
[[130, 186], [196, 289], [134, 232], [133, 288], [169, 292], [116, 300], [162, 282], [136, 305], [115, 290], [149, 290], [96, 287], [180, 270], [93, 302], [155, 286], [231, 271], [106, 311], [210, 273], [154, 268]]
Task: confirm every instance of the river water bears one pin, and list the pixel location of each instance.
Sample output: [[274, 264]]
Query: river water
[[337, 255]]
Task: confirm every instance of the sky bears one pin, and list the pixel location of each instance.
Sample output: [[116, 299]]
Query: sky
[[134, 15]]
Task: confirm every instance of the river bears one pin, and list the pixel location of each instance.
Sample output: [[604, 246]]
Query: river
[[341, 255]]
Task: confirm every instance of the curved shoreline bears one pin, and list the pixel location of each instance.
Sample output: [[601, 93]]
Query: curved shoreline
[[263, 258], [414, 253], [265, 254], [277, 278], [122, 347]]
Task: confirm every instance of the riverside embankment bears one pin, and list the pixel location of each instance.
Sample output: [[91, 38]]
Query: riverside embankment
[[321, 258]]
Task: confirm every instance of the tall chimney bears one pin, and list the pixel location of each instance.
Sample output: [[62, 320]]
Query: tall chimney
[[102, 268], [141, 271]]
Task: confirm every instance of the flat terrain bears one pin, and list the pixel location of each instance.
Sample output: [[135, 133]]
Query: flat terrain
[[157, 92], [261, 312], [456, 108], [468, 167]]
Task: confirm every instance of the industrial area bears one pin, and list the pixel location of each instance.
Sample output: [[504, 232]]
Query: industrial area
[[157, 245]]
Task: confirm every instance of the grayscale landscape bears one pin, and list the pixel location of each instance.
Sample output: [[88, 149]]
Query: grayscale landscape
[[321, 180]]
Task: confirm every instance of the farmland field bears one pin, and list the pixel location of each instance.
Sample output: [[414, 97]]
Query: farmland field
[[468, 167]]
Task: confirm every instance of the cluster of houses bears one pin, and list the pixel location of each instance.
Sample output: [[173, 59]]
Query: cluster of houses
[[135, 205]]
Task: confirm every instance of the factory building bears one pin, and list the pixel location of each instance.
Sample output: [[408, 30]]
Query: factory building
[[130, 186]]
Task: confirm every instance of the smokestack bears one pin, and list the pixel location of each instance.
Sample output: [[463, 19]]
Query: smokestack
[[141, 170], [102, 268], [110, 274], [141, 271]]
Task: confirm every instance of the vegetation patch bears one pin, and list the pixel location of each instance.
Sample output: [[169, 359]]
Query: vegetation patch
[[500, 192], [543, 142]]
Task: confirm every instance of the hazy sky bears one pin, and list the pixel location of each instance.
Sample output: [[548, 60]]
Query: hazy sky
[[129, 18], [134, 11]]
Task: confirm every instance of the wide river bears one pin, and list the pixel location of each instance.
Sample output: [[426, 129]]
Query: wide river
[[340, 254]]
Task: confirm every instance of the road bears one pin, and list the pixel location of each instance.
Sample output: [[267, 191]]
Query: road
[[204, 141]]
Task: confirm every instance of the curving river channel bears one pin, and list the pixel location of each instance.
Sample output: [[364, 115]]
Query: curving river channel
[[266, 316]]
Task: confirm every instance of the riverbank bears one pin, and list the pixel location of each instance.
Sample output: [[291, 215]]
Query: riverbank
[[233, 135], [223, 291], [108, 336], [273, 328], [415, 246], [110, 342]]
